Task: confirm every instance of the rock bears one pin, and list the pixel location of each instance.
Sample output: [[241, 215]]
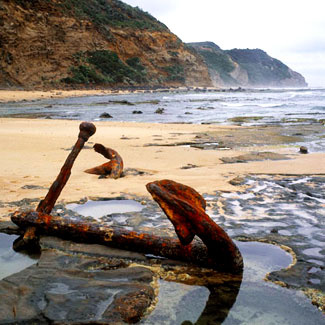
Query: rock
[[134, 172], [137, 112], [76, 284], [33, 187], [254, 156], [303, 150], [237, 181], [160, 110], [105, 115], [189, 166]]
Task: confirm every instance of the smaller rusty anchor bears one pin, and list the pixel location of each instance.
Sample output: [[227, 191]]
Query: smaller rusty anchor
[[30, 239], [113, 168]]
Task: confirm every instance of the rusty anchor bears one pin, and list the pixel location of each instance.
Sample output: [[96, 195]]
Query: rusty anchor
[[30, 239], [113, 168], [183, 206]]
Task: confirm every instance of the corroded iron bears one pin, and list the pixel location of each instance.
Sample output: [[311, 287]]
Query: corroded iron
[[185, 209], [86, 130], [46, 205], [113, 168], [183, 205], [85, 231]]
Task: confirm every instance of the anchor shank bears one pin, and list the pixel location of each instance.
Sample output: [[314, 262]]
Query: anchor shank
[[47, 204]]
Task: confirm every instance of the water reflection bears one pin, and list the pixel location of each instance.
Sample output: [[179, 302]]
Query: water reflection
[[249, 300], [244, 299], [98, 209], [10, 261]]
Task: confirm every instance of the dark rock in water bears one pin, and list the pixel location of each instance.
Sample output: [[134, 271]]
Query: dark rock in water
[[118, 102], [160, 111], [137, 112], [303, 150], [105, 115], [70, 284]]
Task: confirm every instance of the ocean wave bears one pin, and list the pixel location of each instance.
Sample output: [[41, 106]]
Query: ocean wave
[[318, 108], [262, 105]]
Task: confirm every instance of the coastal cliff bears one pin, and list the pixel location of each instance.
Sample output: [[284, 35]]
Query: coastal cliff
[[246, 68], [107, 43], [55, 43]]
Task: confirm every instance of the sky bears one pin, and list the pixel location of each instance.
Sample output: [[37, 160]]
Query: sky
[[292, 31]]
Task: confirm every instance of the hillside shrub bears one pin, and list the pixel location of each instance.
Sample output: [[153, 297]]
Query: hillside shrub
[[105, 66], [175, 73], [108, 13]]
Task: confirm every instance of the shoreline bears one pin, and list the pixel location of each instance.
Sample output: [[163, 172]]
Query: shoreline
[[14, 95]]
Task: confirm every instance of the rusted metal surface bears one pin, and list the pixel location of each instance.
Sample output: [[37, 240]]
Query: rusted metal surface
[[29, 240], [85, 231], [182, 206], [113, 168], [183, 227], [47, 204]]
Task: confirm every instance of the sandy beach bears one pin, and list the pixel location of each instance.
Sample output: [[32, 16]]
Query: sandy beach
[[28, 95], [33, 151]]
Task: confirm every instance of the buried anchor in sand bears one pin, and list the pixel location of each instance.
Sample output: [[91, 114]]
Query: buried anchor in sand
[[113, 168], [183, 206]]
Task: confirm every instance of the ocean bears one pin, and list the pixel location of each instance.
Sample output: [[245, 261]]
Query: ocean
[[255, 107]]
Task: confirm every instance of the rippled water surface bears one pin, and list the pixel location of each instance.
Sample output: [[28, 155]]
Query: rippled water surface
[[264, 105]]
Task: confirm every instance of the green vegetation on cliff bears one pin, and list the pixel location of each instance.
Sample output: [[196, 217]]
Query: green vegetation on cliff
[[246, 67], [113, 13], [102, 13], [216, 60], [175, 73], [98, 67], [260, 67]]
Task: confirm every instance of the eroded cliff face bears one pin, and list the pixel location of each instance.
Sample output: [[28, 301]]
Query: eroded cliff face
[[246, 68], [44, 42]]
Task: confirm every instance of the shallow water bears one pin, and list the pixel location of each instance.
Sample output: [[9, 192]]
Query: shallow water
[[99, 209], [256, 302], [265, 105], [253, 301], [10, 261]]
